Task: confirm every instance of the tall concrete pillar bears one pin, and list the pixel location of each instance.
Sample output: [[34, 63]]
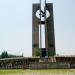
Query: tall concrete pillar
[[35, 29], [50, 31]]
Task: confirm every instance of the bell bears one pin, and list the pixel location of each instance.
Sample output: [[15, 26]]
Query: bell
[[43, 15]]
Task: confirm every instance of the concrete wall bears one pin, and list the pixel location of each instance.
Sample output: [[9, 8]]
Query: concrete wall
[[26, 63], [49, 66]]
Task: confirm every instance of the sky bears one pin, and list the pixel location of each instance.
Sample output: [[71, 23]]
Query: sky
[[16, 26]]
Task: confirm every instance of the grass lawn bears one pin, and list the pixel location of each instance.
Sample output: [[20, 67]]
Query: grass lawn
[[49, 71]]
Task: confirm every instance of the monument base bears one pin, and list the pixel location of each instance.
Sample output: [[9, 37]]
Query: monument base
[[49, 63], [49, 66]]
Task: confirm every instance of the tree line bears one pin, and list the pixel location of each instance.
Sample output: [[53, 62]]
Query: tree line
[[5, 54]]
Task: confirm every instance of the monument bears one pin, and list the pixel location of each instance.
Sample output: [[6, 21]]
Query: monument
[[48, 22], [47, 60]]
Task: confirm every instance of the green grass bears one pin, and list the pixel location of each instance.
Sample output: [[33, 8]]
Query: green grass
[[50, 71], [11, 71]]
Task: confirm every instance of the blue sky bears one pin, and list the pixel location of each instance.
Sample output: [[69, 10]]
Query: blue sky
[[16, 26]]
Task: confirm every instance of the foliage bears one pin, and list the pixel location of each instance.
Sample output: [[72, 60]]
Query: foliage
[[37, 52], [4, 54]]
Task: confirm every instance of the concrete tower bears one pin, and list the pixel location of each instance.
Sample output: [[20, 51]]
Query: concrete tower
[[49, 30]]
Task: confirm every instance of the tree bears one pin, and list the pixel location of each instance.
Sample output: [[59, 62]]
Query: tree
[[4, 54], [37, 52]]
